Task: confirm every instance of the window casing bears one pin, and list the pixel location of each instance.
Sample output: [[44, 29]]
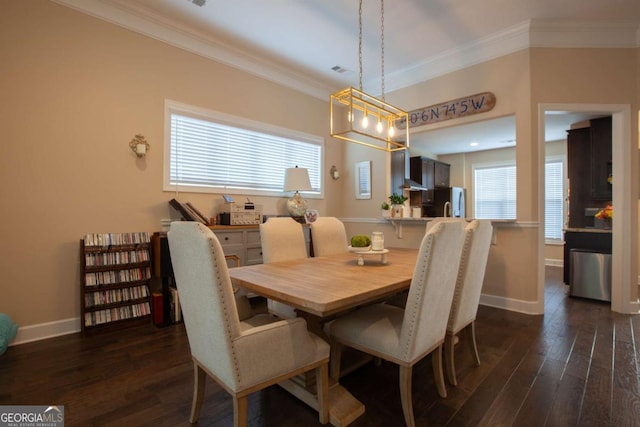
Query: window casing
[[212, 152]]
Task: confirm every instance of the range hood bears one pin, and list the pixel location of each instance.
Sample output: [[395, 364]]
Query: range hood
[[410, 184]]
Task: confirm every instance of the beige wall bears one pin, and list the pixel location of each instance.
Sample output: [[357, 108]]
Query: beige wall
[[75, 90]]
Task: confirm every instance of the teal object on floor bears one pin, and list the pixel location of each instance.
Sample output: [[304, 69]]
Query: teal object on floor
[[8, 331]]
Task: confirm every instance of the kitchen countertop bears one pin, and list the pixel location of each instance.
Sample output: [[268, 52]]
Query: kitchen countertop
[[588, 230], [427, 219]]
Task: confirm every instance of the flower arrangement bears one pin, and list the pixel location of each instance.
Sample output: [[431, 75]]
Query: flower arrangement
[[605, 213]]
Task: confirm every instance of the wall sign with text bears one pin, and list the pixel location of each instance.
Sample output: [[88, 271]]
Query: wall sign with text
[[465, 106]]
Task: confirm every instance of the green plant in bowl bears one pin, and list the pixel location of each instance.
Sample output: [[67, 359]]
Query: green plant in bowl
[[360, 241]]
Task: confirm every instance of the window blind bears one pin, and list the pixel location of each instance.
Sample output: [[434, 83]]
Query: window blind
[[553, 199], [495, 192], [208, 154]]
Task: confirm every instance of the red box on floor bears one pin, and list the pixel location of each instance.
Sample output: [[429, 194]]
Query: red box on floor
[[157, 309]]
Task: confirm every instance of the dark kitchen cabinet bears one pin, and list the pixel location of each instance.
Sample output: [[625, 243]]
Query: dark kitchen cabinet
[[589, 169], [429, 172], [398, 168], [601, 153], [579, 167], [422, 171], [441, 174]]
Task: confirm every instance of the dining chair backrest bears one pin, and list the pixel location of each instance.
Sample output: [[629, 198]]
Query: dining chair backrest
[[329, 236], [471, 274], [282, 239], [431, 290], [439, 219], [206, 296]]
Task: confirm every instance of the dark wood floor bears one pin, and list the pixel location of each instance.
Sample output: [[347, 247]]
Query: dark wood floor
[[576, 365]]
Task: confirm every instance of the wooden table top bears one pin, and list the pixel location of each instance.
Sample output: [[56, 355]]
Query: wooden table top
[[324, 286]]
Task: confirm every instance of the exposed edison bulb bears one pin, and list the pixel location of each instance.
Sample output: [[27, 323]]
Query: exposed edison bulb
[[365, 120], [379, 126], [392, 131]]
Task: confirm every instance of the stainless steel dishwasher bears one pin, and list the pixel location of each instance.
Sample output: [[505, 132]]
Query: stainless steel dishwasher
[[590, 275]]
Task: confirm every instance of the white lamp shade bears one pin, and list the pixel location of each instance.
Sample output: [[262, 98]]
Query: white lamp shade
[[296, 179]]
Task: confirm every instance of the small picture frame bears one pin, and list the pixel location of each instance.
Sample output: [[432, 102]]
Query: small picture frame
[[363, 180], [203, 219]]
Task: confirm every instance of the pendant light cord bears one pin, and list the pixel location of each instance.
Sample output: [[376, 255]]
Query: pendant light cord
[[360, 42], [382, 46]]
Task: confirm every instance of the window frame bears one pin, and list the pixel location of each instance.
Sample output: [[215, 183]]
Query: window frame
[[174, 107]]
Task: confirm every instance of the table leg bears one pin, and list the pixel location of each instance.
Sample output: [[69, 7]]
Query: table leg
[[343, 407]]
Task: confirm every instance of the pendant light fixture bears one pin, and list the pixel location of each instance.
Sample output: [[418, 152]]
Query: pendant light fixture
[[364, 119]]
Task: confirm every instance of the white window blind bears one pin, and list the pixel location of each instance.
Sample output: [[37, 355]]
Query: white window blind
[[495, 192], [554, 199], [211, 155]]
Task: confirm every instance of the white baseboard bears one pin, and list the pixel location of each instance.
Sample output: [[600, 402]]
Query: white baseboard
[[549, 262], [520, 306], [46, 330]]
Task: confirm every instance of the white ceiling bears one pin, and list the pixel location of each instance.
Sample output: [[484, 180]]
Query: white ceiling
[[297, 42]]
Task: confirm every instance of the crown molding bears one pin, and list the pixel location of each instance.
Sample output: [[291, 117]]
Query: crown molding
[[502, 43], [571, 34], [533, 33], [125, 16]]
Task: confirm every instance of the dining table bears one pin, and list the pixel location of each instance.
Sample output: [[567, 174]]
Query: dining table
[[323, 288]]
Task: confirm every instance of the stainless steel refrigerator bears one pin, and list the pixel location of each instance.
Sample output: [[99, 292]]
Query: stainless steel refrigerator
[[449, 202]]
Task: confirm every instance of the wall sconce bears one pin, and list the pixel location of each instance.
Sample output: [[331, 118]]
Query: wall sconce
[[139, 145], [334, 172]]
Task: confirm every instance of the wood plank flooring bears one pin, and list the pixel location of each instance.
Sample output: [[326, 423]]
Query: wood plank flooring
[[575, 366]]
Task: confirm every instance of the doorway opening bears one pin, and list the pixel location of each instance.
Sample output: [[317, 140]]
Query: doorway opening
[[624, 240]]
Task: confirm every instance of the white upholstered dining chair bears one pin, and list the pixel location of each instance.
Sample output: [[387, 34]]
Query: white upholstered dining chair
[[400, 299], [239, 356], [282, 239], [406, 336], [467, 295], [329, 236]]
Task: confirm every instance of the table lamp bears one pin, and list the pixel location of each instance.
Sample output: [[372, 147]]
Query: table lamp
[[296, 179]]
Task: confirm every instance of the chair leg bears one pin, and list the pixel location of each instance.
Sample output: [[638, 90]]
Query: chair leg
[[240, 407], [472, 341], [405, 395], [336, 355], [449, 361], [436, 359], [322, 384], [199, 380]]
